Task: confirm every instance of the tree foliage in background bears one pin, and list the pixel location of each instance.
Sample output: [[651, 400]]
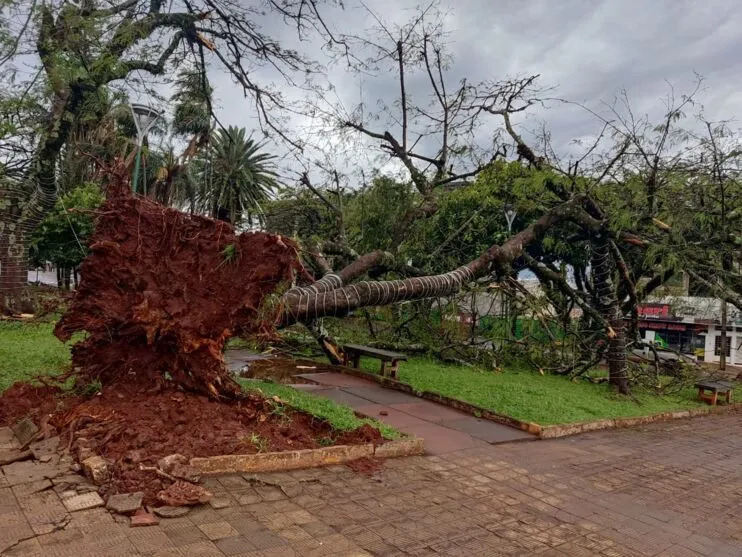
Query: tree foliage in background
[[62, 238]]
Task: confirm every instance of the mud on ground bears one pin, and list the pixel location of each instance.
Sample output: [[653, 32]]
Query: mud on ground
[[133, 428]]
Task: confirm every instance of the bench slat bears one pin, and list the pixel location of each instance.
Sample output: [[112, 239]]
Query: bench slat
[[716, 386], [374, 352]]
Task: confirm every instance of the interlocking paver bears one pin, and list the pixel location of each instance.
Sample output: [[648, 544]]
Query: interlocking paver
[[666, 489]]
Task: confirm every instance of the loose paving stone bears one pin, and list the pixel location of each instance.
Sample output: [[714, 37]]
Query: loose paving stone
[[45, 447], [7, 439], [171, 512], [30, 471], [83, 502], [9, 456], [96, 468], [186, 472], [183, 493], [25, 431], [167, 463], [29, 488], [143, 518], [125, 503]]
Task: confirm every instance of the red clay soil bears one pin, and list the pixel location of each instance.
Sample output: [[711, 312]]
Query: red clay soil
[[133, 428], [22, 400], [162, 291]]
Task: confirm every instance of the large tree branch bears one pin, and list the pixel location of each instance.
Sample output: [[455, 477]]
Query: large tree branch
[[154, 68], [332, 298]]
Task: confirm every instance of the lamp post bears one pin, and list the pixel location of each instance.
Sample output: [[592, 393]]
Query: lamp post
[[144, 118], [510, 217]]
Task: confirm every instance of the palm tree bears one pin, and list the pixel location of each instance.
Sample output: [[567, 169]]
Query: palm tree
[[234, 177], [173, 183]]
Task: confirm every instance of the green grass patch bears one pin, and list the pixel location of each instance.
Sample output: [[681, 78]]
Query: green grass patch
[[28, 350], [341, 417], [529, 396]]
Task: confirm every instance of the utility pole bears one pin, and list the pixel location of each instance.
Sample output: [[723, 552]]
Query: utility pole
[[723, 341]]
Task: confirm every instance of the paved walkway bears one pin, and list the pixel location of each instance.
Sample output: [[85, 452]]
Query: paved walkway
[[443, 429], [670, 489]]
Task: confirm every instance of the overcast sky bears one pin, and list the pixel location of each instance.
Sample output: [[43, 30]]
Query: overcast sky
[[588, 50]]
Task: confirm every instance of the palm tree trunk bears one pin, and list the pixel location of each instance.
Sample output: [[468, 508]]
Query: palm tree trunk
[[330, 297]]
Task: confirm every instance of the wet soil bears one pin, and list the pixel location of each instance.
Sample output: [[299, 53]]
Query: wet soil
[[133, 428]]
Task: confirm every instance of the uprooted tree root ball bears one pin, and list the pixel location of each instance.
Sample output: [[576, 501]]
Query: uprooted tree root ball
[[162, 291]]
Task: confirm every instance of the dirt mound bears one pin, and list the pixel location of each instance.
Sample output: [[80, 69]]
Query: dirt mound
[[162, 291], [25, 400], [133, 428]]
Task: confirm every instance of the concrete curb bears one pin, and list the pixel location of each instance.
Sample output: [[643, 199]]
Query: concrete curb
[[305, 458], [564, 430], [543, 432]]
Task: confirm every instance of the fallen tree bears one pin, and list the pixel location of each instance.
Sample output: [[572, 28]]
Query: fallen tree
[[162, 291]]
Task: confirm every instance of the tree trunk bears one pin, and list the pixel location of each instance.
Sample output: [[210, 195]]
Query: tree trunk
[[329, 345], [13, 274], [331, 296], [723, 340], [610, 309]]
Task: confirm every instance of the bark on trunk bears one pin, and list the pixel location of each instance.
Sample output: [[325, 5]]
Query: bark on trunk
[[608, 306], [13, 254], [331, 296], [329, 345]]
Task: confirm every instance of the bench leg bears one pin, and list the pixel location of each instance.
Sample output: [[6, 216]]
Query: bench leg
[[357, 361], [393, 369], [729, 396], [383, 368], [714, 398], [700, 395]]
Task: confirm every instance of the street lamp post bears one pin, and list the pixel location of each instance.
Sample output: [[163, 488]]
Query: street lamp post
[[510, 217], [144, 118]]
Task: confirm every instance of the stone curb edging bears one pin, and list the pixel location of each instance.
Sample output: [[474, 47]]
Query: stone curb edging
[[543, 432], [305, 458], [564, 430]]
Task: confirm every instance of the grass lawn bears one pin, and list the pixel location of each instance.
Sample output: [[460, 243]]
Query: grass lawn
[[528, 396], [340, 416], [28, 350]]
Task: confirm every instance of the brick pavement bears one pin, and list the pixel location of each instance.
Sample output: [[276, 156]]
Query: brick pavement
[[669, 489]]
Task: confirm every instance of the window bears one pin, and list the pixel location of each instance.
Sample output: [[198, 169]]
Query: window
[[717, 345]]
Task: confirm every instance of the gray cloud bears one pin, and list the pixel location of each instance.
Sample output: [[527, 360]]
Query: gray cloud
[[589, 51]]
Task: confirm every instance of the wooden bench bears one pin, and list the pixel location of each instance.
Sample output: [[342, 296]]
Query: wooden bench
[[352, 355], [715, 388]]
